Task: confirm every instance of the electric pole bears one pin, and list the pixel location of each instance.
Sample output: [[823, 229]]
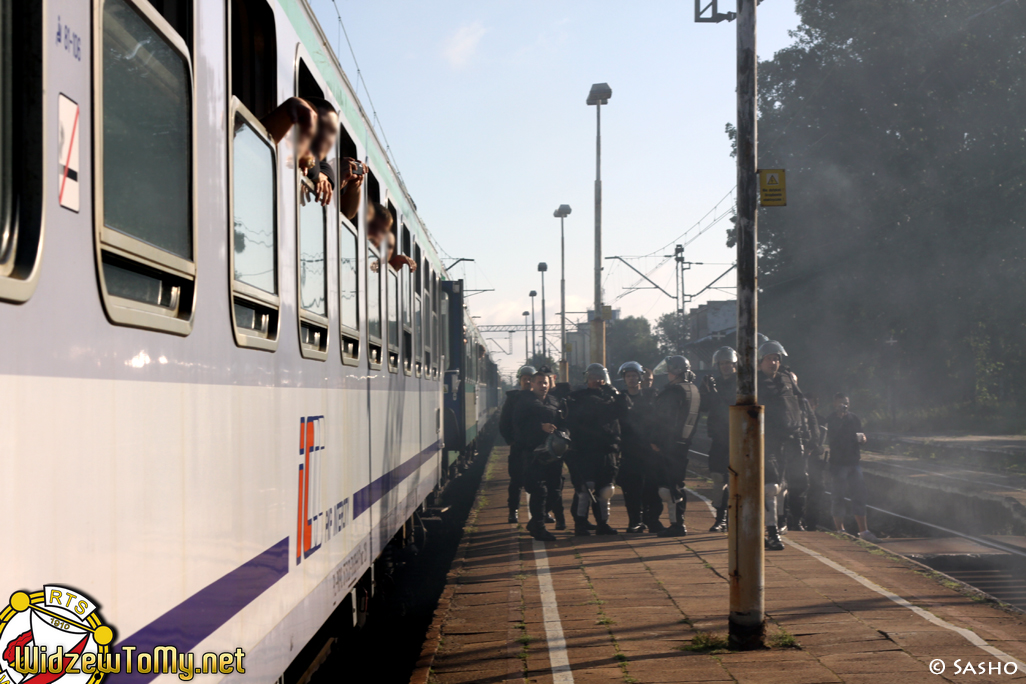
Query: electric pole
[[747, 624]]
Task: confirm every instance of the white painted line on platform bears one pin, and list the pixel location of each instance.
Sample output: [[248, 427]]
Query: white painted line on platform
[[970, 636], [707, 502], [558, 661]]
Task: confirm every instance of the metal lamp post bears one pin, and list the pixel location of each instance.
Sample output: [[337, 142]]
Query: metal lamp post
[[599, 95], [534, 342], [542, 267], [564, 364], [527, 352]]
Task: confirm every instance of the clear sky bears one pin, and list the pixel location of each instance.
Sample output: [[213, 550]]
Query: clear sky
[[483, 104]]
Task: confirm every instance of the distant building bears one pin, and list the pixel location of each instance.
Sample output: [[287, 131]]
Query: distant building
[[710, 326]]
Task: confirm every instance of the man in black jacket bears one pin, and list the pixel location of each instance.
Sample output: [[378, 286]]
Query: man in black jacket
[[846, 440], [594, 415], [719, 392], [640, 491], [534, 420], [515, 462], [674, 418]]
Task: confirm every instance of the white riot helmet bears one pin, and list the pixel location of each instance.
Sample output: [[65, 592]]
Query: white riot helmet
[[771, 347], [724, 354]]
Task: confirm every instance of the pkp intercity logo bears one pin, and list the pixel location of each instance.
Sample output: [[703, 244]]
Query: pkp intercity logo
[[53, 634]]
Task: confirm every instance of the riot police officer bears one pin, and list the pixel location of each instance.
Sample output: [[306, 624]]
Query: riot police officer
[[534, 421], [675, 415], [640, 493], [594, 415], [719, 391], [515, 462], [554, 471], [784, 426]]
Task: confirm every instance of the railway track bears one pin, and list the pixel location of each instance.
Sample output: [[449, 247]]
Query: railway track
[[996, 567]]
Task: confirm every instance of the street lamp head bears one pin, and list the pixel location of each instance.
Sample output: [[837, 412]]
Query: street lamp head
[[600, 94], [526, 313], [562, 212], [543, 267], [534, 293]]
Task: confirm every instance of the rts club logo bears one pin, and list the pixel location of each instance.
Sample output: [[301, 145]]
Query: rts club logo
[[53, 634]]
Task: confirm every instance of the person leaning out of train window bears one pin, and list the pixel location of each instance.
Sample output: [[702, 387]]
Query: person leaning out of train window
[[321, 174], [299, 113], [379, 233]]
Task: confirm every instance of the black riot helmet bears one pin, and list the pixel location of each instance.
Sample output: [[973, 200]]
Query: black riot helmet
[[724, 354], [631, 366], [526, 370], [678, 365], [597, 371], [557, 444]]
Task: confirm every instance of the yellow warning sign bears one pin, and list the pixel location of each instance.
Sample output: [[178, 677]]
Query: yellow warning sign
[[772, 188]]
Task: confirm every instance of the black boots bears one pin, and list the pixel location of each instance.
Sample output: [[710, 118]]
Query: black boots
[[721, 521], [538, 531], [560, 520], [513, 516], [674, 530], [604, 529], [773, 540], [636, 528], [654, 525]]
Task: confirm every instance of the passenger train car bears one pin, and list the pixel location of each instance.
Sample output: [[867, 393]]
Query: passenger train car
[[219, 402]]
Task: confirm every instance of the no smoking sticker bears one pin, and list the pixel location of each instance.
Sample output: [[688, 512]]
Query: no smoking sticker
[[67, 184]]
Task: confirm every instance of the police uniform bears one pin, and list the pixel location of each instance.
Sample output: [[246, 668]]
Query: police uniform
[[515, 462], [530, 414], [784, 448], [594, 416], [635, 476], [675, 415], [554, 479], [718, 394]]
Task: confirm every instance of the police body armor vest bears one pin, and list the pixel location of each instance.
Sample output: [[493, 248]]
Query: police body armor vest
[[691, 417]]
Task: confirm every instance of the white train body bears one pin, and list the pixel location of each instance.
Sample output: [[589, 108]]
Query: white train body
[[207, 490]]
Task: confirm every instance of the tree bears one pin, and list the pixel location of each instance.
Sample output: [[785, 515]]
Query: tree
[[672, 333], [898, 269], [630, 339]]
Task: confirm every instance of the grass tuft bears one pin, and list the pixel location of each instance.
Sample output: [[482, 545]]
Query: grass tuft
[[784, 639], [706, 642]]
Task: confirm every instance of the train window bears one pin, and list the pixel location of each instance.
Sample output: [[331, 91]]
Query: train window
[[145, 213], [436, 345], [424, 273], [443, 329], [346, 149], [375, 265], [418, 332], [21, 148], [306, 84], [179, 14], [349, 293], [254, 234], [417, 279], [393, 319], [253, 56], [403, 245], [313, 274], [373, 191]]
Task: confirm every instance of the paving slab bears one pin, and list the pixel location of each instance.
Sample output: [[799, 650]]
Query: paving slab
[[626, 608]]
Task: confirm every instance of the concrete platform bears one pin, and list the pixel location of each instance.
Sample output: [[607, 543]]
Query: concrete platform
[[627, 609]]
